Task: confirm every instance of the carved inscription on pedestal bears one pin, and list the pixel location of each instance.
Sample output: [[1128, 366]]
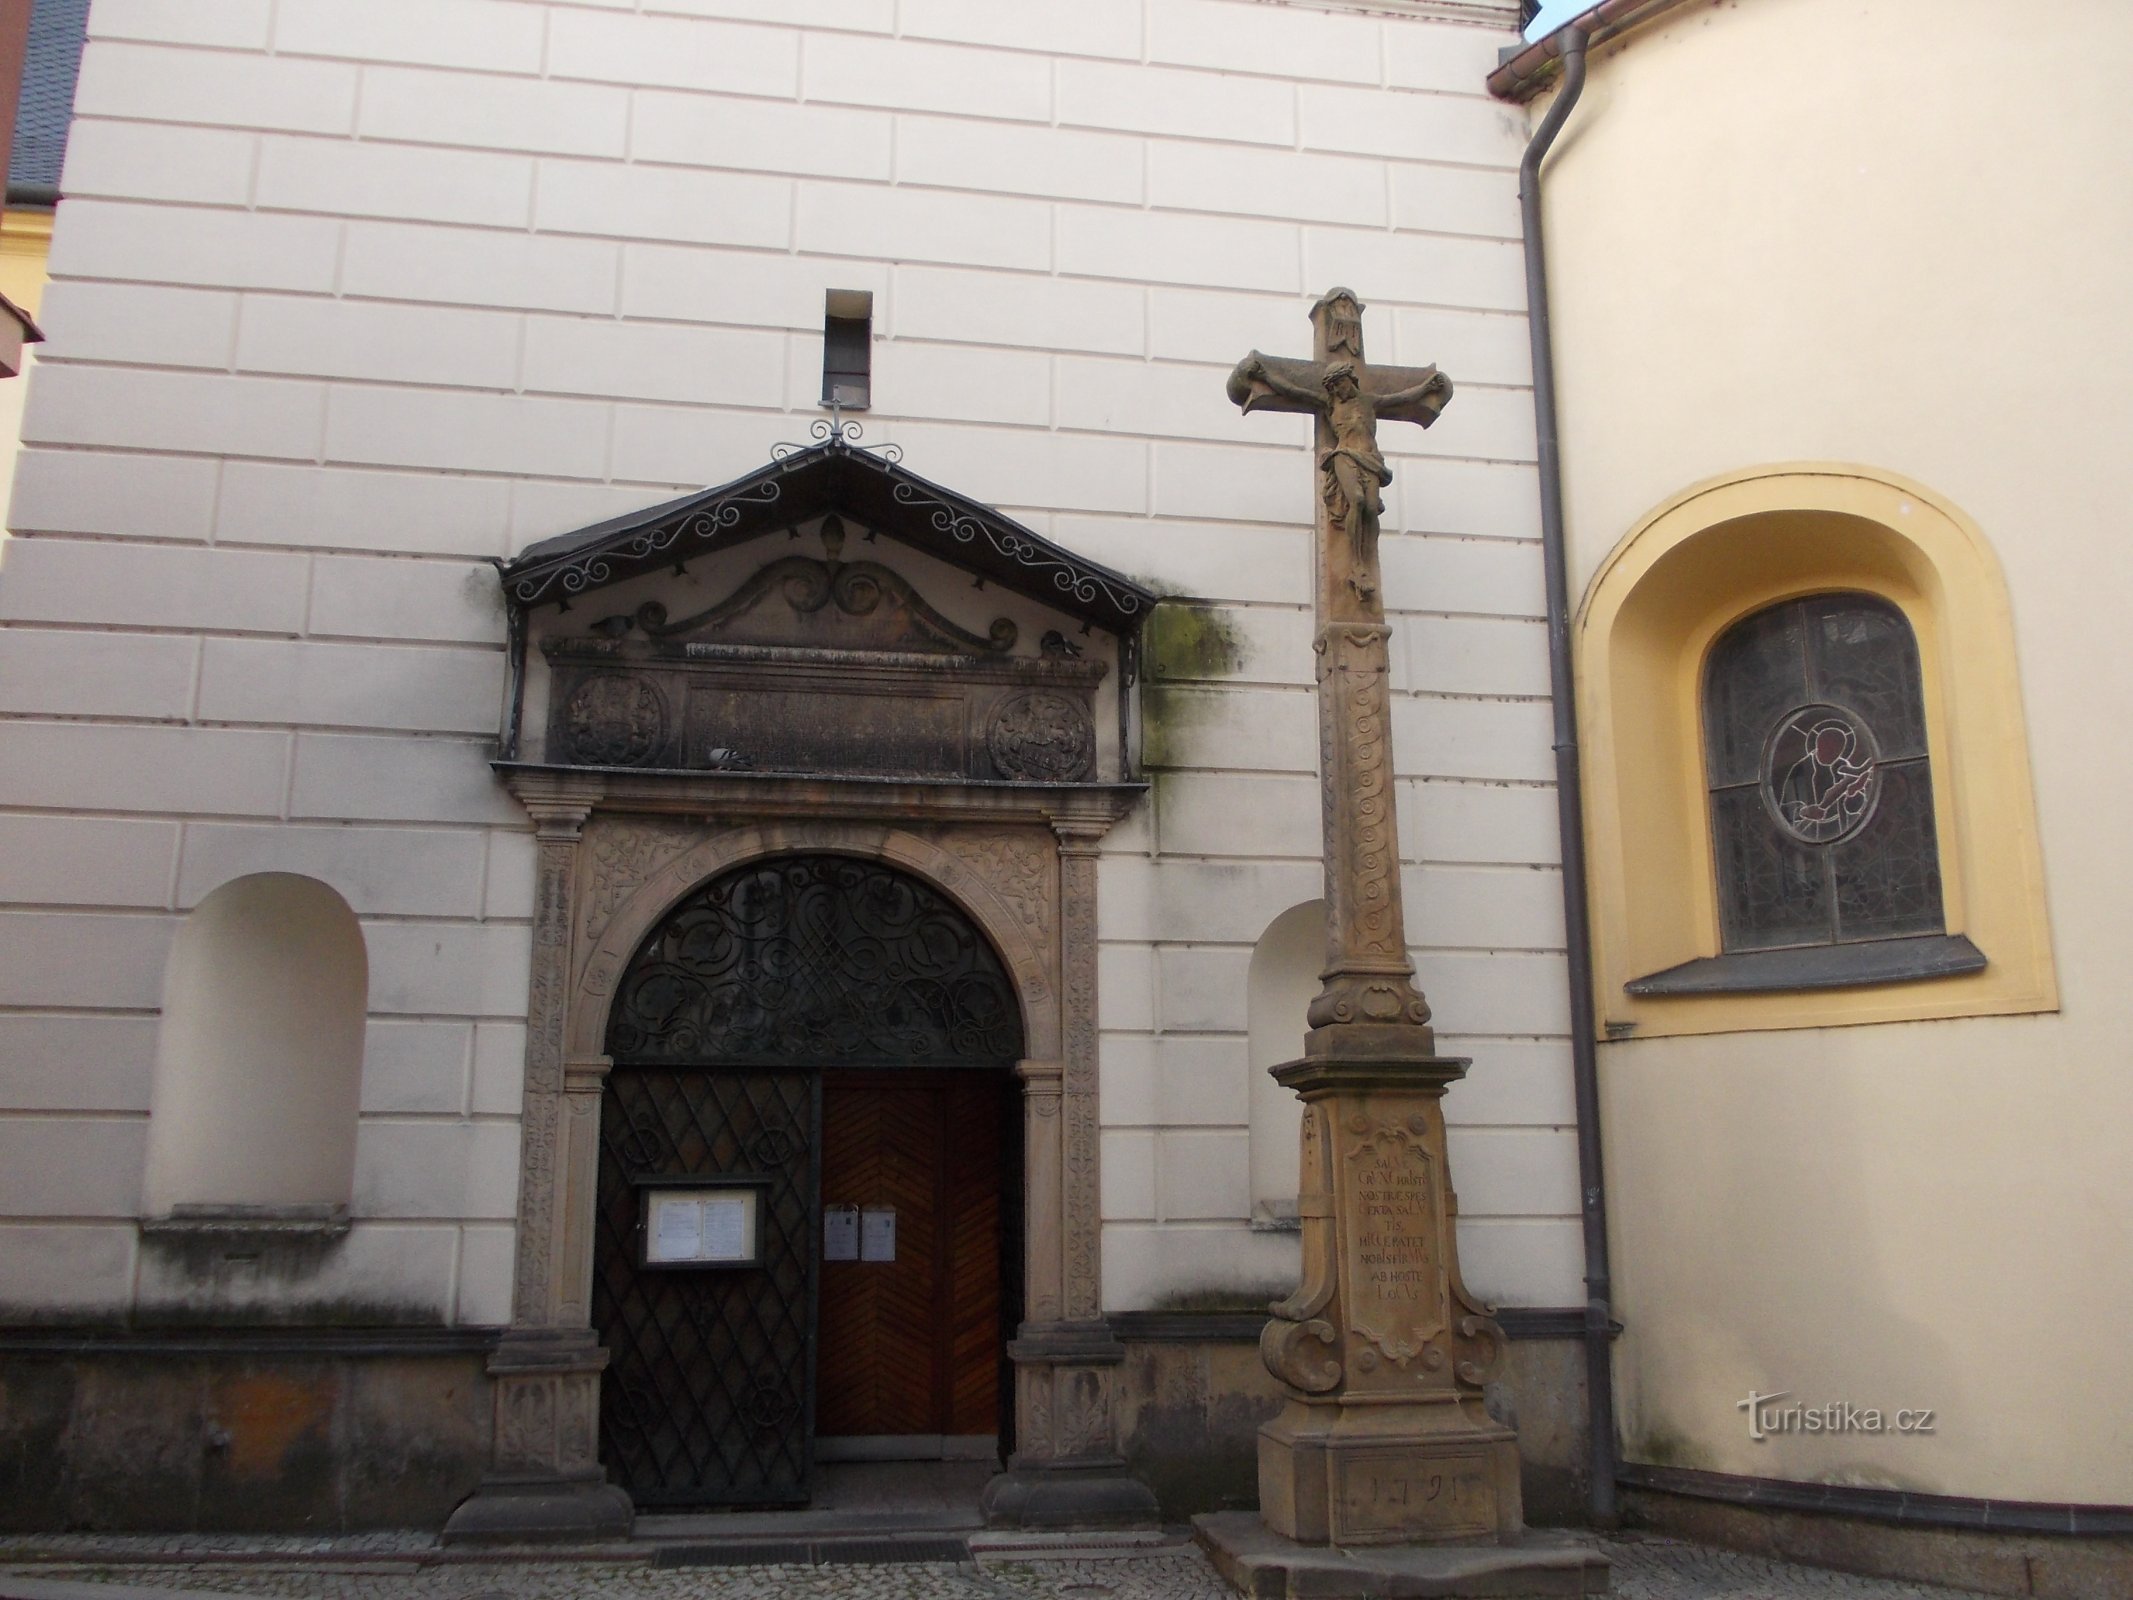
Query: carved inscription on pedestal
[[1395, 1490], [1396, 1281]]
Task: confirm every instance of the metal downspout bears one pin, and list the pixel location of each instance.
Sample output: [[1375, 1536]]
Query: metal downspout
[[1570, 801]]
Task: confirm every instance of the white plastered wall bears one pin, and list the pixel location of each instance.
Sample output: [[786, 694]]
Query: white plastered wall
[[1809, 230], [350, 299]]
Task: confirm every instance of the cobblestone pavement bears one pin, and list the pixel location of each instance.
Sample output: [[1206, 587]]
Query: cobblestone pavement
[[409, 1567]]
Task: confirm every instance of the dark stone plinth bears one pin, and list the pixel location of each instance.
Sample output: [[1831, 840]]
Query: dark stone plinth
[[1068, 1497], [1261, 1564], [546, 1512]]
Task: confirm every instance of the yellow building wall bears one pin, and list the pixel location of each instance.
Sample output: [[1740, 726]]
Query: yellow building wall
[[1895, 234], [25, 242]]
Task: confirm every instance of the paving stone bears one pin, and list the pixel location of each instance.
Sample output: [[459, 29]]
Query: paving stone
[[406, 1566]]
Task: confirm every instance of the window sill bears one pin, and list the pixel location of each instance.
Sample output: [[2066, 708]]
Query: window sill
[[1821, 966], [259, 1225]]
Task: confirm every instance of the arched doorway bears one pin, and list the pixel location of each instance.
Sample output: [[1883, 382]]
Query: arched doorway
[[808, 1197]]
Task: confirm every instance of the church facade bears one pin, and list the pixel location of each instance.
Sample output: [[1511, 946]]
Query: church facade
[[658, 772]]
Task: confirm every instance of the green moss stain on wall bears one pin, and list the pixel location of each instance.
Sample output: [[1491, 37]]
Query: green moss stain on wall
[[1188, 641], [1183, 643]]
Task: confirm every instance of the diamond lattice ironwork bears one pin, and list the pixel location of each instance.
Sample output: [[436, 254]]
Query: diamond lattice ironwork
[[721, 1026], [708, 1392]]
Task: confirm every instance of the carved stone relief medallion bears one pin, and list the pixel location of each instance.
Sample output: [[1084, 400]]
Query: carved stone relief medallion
[[1042, 737], [615, 719]]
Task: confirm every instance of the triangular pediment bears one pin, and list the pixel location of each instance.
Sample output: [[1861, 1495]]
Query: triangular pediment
[[830, 615], [869, 487]]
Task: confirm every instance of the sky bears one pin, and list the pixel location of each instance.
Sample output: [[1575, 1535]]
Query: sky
[[1554, 14]]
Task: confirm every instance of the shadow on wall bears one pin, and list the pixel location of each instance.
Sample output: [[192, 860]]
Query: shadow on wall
[[1282, 978], [252, 1113], [259, 1058]]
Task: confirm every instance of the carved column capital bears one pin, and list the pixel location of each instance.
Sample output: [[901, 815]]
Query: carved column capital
[[586, 1074], [1079, 835], [558, 802], [1040, 1077]]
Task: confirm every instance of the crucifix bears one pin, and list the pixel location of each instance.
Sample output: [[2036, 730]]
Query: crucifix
[[1368, 975], [1381, 1349]]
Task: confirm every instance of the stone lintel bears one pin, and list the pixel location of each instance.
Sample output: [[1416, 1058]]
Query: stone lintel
[[736, 797], [1259, 1562]]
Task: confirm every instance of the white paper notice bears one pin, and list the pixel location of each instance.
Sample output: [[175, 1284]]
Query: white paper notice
[[677, 1229], [877, 1233], [840, 1233], [725, 1228]]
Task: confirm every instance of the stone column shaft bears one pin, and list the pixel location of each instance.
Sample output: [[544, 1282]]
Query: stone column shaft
[[1369, 976]]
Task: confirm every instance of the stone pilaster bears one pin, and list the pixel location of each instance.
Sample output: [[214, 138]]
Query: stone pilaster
[[545, 1479], [1067, 1470], [1043, 1183], [1078, 839]]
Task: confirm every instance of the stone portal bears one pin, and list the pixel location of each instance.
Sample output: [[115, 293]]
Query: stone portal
[[829, 657]]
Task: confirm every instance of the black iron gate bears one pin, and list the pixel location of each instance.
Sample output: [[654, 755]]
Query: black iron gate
[[752, 985]]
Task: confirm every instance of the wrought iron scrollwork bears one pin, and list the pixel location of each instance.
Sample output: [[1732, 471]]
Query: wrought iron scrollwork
[[815, 960], [835, 430], [596, 568], [1068, 577]]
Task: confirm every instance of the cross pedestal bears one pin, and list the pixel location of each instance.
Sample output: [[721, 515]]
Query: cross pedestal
[[1383, 1438]]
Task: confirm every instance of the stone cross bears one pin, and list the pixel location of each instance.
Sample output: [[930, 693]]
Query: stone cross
[[1384, 1438], [1368, 976]]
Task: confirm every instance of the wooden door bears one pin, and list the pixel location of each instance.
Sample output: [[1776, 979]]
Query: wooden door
[[912, 1347]]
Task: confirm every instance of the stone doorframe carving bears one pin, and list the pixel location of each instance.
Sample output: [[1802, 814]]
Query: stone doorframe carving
[[614, 854]]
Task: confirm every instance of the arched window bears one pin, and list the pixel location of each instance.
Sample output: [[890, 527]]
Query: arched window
[[1821, 785], [1807, 782], [259, 1056]]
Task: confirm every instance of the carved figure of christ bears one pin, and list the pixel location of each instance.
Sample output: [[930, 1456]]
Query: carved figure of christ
[[1348, 396], [1369, 976]]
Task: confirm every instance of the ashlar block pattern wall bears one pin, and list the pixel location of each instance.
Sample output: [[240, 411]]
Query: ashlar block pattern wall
[[351, 298]]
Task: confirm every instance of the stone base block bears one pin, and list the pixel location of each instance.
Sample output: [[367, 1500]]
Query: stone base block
[[1357, 1474], [544, 1512], [1262, 1565], [1068, 1497]]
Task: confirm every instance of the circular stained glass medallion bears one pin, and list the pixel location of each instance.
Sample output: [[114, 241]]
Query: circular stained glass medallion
[[1821, 773]]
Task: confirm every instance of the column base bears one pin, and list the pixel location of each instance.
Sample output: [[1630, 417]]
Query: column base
[[548, 1511], [1066, 1471], [545, 1481], [1389, 1473], [1035, 1496]]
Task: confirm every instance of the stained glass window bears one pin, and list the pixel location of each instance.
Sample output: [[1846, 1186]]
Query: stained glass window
[[1821, 790]]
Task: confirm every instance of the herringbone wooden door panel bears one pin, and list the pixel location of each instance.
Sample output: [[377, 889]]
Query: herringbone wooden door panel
[[912, 1346], [972, 1320]]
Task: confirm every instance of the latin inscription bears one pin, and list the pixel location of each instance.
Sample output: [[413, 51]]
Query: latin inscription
[[1396, 1281]]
